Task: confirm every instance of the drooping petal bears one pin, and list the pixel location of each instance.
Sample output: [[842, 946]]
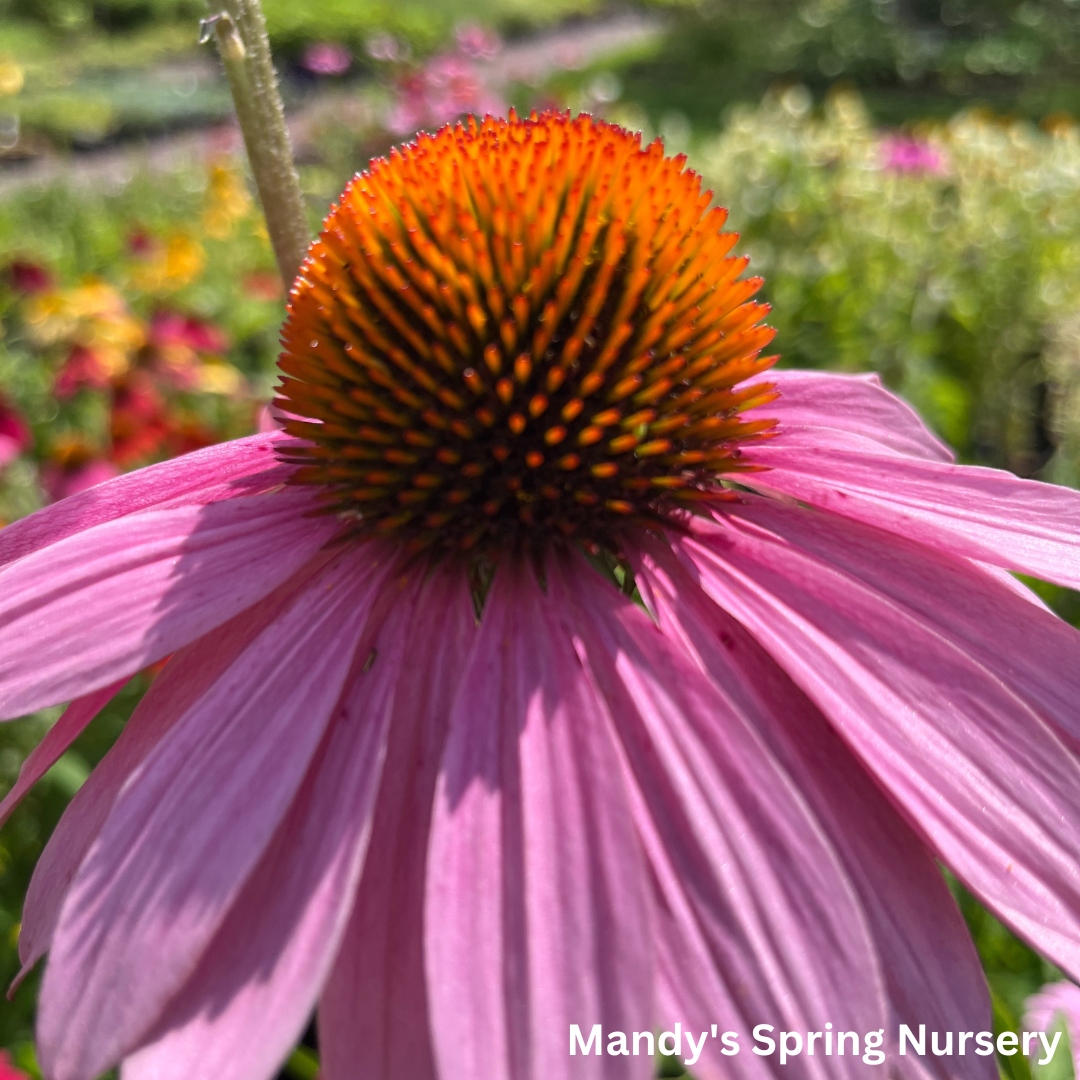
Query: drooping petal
[[932, 972], [861, 620], [99, 606], [252, 993], [998, 622], [758, 921], [186, 677], [373, 1012], [822, 410], [57, 739], [536, 915], [984, 514], [185, 834], [224, 471]]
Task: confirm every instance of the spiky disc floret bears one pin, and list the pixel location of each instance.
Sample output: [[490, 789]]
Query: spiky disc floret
[[522, 329]]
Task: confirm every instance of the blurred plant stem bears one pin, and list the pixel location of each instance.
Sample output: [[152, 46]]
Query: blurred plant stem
[[240, 30]]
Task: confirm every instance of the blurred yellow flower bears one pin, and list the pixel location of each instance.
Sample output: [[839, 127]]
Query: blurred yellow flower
[[11, 77], [219, 377], [227, 201], [92, 314], [177, 264]]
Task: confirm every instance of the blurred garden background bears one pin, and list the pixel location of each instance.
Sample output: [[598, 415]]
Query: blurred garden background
[[905, 174]]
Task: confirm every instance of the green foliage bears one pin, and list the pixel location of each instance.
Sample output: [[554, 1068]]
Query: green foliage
[[909, 58], [956, 280]]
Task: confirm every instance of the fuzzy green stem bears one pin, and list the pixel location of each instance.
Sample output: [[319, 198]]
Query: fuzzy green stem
[[240, 31]]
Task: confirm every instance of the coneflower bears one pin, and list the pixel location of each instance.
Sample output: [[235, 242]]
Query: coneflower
[[559, 665]]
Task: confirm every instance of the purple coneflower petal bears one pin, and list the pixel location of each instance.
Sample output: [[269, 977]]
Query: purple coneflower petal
[[58, 738], [203, 476], [187, 676], [932, 972], [259, 978], [96, 607], [932, 716], [373, 1011], [185, 835], [821, 410], [985, 514], [758, 920], [536, 912]]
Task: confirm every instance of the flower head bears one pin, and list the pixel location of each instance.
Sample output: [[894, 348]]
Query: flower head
[[426, 764], [489, 358]]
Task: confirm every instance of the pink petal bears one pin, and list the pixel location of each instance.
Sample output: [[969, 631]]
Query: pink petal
[[186, 677], [241, 467], [984, 617], [822, 410], [373, 1015], [757, 918], [187, 831], [861, 620], [58, 738], [932, 972], [99, 606], [250, 997], [985, 514], [536, 914]]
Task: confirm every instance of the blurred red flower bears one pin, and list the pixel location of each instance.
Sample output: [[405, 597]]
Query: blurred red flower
[[14, 435], [27, 277]]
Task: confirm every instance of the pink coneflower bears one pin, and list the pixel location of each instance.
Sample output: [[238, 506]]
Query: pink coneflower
[[326, 58], [420, 759], [903, 154]]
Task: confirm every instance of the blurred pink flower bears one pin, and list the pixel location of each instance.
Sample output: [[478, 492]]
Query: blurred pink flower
[[448, 86], [475, 42], [83, 369], [326, 58], [60, 481], [8, 1071], [903, 154], [172, 328], [1054, 1001], [14, 433]]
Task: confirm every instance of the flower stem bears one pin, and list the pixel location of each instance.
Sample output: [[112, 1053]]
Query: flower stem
[[240, 31]]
